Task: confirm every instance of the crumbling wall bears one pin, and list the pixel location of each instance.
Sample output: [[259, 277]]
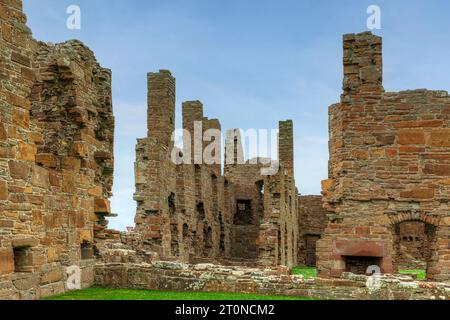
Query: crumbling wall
[[56, 162], [279, 230], [389, 164], [312, 221], [249, 208], [270, 281], [186, 209], [182, 210]]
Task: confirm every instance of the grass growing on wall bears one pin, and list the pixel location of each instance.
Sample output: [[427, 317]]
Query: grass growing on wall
[[123, 294], [421, 274], [307, 272]]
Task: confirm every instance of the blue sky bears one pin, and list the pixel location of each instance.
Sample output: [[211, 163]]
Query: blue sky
[[251, 62]]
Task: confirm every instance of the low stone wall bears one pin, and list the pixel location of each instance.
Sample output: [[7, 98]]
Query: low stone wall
[[169, 276], [50, 281]]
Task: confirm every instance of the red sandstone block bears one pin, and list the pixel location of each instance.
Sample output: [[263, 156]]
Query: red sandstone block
[[410, 136], [71, 164], [3, 135], [3, 190], [102, 206], [391, 153], [6, 223], [18, 101], [419, 124], [21, 118], [28, 73], [410, 149], [47, 160], [54, 179], [327, 185], [439, 138], [362, 230], [437, 169], [6, 261], [420, 193], [80, 149], [26, 151], [19, 170], [360, 154]]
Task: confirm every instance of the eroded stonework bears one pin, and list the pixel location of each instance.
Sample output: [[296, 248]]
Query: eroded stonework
[[389, 166], [385, 203], [56, 160], [189, 211]]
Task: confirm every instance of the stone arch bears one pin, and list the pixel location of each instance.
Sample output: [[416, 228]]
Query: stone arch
[[415, 242], [414, 216]]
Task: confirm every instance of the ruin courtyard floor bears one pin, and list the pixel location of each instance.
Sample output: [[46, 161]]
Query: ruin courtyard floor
[[98, 293], [122, 294]]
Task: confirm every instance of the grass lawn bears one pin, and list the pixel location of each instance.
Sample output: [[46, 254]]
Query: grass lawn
[[421, 274], [122, 294], [307, 272]]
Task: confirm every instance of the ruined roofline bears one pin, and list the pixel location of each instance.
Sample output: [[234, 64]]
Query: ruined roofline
[[75, 45], [161, 71], [363, 61], [352, 36]]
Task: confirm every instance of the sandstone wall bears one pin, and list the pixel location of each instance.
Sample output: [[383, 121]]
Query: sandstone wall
[[182, 211], [389, 164], [188, 211], [56, 161], [312, 221], [211, 278]]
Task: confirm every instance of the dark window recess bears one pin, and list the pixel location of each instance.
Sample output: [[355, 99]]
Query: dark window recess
[[208, 241], [87, 251], [311, 246], [174, 245], [243, 214], [171, 201], [23, 259], [222, 234], [151, 212], [201, 211]]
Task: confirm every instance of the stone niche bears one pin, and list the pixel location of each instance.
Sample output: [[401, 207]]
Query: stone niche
[[360, 257]]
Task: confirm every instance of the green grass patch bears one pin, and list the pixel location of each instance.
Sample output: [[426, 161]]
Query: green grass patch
[[421, 274], [123, 294], [307, 272]]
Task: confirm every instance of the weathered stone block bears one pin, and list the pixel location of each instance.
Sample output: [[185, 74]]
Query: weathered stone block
[[437, 169], [47, 160], [26, 151], [3, 190], [25, 242], [19, 169], [411, 136], [439, 138], [6, 261], [40, 177]]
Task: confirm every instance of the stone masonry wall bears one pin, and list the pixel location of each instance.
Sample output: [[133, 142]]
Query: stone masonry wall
[[312, 221], [389, 164], [169, 276], [56, 162], [188, 211]]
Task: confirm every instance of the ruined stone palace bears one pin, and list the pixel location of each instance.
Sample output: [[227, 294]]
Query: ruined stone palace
[[233, 225], [191, 212]]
